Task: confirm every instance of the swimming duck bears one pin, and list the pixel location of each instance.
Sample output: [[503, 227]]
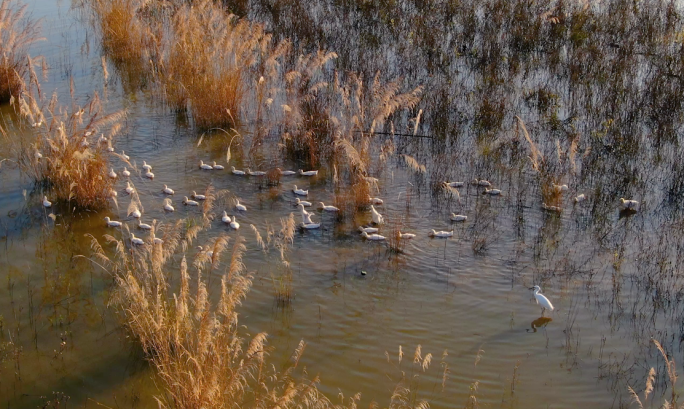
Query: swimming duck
[[302, 202], [144, 226], [441, 234], [167, 205], [329, 208], [375, 200], [286, 172], [135, 213], [234, 224], [375, 237], [46, 202], [406, 236], [256, 172], [145, 166], [484, 183], [217, 167], [310, 226], [38, 155], [377, 217], [580, 198], [198, 196], [240, 207], [560, 188], [189, 202], [112, 223], [458, 217], [112, 174], [136, 240], [308, 172], [129, 188], [368, 229], [149, 174], [205, 166], [155, 239], [225, 218], [492, 192], [167, 190], [123, 155], [237, 172], [125, 172], [300, 192], [628, 204]]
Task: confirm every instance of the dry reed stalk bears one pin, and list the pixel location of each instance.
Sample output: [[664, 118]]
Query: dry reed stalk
[[17, 33]]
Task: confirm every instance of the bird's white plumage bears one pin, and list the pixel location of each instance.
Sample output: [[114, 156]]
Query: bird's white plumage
[[541, 299]]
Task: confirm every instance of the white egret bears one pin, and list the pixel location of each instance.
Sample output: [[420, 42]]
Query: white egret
[[541, 299]]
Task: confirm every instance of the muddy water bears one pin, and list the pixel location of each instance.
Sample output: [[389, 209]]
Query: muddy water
[[440, 294]]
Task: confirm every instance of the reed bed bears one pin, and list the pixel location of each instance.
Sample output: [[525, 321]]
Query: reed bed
[[17, 32]]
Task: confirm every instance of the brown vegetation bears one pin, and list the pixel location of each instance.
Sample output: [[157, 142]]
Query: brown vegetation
[[17, 33]]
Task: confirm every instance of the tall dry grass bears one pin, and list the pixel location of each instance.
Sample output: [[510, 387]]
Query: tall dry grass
[[66, 158], [17, 32]]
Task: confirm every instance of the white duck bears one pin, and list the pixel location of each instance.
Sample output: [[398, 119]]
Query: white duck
[[135, 213], [225, 218], [167, 190], [46, 202], [38, 155], [208, 252], [217, 167], [189, 202], [458, 217], [167, 205], [234, 224], [145, 166], [112, 193], [110, 148], [256, 172], [237, 172], [628, 204], [368, 229], [310, 226], [375, 237], [329, 208], [302, 202], [125, 172], [112, 223], [375, 200], [300, 192], [129, 188], [493, 192], [580, 198], [441, 234], [123, 155], [205, 166], [240, 207], [286, 172], [155, 239], [144, 226], [308, 172], [306, 216], [377, 217], [406, 236], [113, 174], [136, 240], [149, 174], [198, 196]]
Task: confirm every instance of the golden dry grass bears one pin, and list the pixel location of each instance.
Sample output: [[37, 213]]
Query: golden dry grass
[[17, 33]]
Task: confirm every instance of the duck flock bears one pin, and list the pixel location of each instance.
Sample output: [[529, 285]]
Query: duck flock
[[370, 232]]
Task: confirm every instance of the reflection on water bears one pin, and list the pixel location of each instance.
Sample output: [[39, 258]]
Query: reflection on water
[[614, 280]]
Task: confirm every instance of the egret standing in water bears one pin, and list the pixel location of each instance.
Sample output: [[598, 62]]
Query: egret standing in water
[[542, 300]]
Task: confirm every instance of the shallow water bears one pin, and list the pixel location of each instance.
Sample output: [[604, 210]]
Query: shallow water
[[439, 294]]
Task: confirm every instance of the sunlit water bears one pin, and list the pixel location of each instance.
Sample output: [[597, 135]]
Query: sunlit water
[[439, 294]]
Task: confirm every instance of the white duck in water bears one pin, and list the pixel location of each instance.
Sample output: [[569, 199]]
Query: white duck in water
[[374, 237], [113, 174], [198, 196], [144, 226], [406, 236], [329, 208], [136, 241], [493, 192], [225, 218], [240, 207], [135, 213], [123, 155], [112, 223], [441, 234], [377, 217], [256, 172], [455, 184], [189, 202], [302, 202], [155, 239], [541, 299], [145, 166], [368, 229], [205, 166], [46, 202], [308, 172], [167, 190], [580, 198], [300, 192], [125, 172], [129, 188], [217, 167], [234, 224], [560, 188], [237, 172], [310, 226], [286, 172], [167, 205], [375, 200], [628, 204], [149, 174], [458, 217]]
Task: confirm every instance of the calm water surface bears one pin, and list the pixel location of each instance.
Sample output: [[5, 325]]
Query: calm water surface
[[439, 294]]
